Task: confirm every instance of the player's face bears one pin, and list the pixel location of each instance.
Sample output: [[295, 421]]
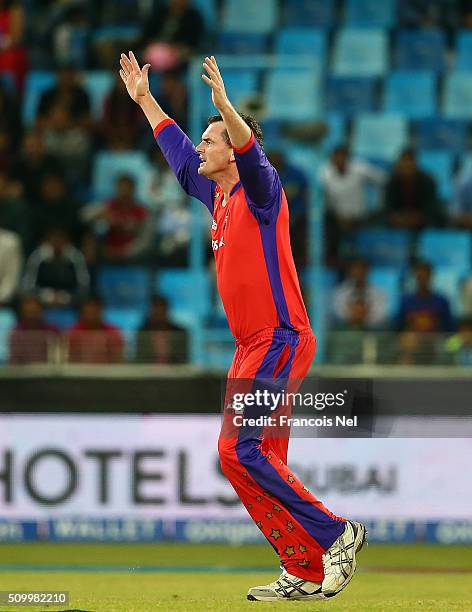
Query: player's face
[[215, 154]]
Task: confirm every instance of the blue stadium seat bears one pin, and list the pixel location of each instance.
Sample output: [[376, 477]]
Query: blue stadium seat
[[108, 166], [239, 84], [250, 16], [440, 165], [370, 13], [37, 82], [97, 84], [242, 43], [384, 246], [7, 322], [188, 293], [463, 57], [457, 100], [209, 12], [124, 286], [448, 281], [293, 93], [305, 157], [441, 133], [337, 130], [411, 93], [388, 280], [443, 247], [117, 32], [360, 52], [318, 13], [423, 49], [379, 137], [350, 95], [301, 41], [63, 318], [127, 319]]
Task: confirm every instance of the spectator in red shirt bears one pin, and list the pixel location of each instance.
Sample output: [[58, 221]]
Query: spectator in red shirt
[[122, 122], [12, 52], [32, 340], [91, 340], [129, 228]]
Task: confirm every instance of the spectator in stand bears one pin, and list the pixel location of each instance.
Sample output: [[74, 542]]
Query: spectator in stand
[[56, 209], [12, 53], [410, 196], [459, 346], [160, 340], [172, 34], [70, 34], [33, 163], [129, 231], [429, 13], [91, 340], [5, 150], [11, 261], [9, 115], [424, 310], [461, 206], [69, 141], [32, 339], [344, 182], [122, 121], [467, 297], [69, 94], [173, 97], [172, 219], [355, 295], [295, 184], [15, 213], [56, 272]]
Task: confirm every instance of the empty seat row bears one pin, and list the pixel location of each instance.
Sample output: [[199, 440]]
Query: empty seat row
[[395, 247], [247, 15], [355, 50]]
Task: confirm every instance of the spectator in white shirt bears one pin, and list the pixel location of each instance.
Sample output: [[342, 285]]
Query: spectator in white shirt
[[11, 261], [344, 182], [356, 289]]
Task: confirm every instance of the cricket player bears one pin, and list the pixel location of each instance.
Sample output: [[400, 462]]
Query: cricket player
[[257, 280]]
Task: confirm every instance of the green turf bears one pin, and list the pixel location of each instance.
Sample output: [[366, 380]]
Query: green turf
[[427, 589]]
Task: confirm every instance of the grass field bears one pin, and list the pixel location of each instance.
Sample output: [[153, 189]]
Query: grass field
[[191, 578]]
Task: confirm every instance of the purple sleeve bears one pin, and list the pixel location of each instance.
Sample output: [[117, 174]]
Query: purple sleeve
[[184, 161], [258, 177]]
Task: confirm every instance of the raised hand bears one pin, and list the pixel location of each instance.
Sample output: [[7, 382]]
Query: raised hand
[[134, 77], [215, 81]]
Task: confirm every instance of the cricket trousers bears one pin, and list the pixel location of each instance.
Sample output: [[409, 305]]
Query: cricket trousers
[[254, 458]]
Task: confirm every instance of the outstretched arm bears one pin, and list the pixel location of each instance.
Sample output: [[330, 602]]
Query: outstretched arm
[[258, 176], [175, 145]]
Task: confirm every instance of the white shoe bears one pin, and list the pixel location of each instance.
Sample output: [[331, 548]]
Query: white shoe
[[339, 561], [287, 587]]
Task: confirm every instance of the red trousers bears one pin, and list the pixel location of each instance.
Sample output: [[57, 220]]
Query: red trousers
[[254, 459]]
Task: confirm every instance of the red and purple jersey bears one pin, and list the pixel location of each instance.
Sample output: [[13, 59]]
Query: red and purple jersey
[[256, 275]]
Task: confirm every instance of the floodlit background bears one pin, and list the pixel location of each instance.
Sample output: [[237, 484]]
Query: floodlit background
[[113, 340]]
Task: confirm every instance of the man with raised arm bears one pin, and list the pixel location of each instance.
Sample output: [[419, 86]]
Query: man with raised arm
[[258, 284]]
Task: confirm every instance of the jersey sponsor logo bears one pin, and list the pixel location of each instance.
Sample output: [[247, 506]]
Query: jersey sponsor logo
[[217, 244], [214, 226]]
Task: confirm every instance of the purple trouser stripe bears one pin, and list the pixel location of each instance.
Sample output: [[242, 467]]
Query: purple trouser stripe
[[321, 527]]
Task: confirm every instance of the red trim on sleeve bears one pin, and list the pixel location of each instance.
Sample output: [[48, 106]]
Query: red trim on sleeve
[[246, 146], [160, 126]]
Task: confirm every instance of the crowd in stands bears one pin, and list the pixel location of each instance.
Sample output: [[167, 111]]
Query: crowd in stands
[[59, 227]]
